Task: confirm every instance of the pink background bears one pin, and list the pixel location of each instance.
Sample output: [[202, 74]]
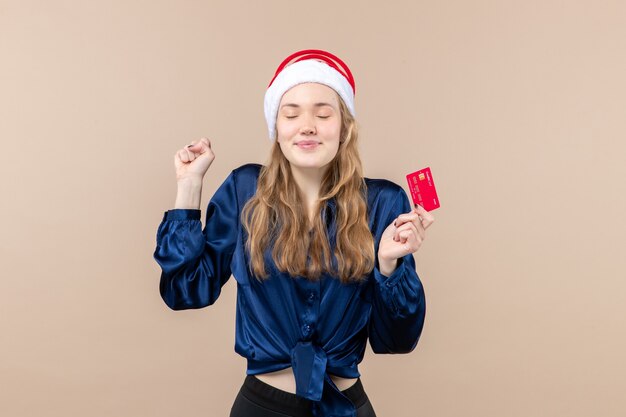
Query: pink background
[[518, 107]]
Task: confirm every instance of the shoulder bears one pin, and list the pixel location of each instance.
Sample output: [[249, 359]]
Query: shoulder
[[246, 175], [248, 171], [245, 178], [386, 200], [380, 188]]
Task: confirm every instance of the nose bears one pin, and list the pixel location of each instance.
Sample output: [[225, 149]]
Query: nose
[[308, 127], [307, 130]]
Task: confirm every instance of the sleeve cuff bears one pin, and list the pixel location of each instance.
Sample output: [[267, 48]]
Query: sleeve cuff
[[393, 279], [182, 214]]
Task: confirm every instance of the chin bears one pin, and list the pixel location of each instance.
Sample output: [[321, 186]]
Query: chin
[[307, 165]]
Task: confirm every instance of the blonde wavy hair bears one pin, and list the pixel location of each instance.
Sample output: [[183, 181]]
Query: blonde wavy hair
[[276, 215]]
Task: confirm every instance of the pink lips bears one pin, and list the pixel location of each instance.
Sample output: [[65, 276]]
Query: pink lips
[[307, 144]]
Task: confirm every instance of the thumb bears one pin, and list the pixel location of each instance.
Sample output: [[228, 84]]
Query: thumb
[[199, 147]]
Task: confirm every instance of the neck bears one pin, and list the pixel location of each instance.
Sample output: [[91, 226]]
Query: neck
[[309, 180]]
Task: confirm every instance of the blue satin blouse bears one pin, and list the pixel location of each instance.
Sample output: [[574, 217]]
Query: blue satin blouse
[[317, 328]]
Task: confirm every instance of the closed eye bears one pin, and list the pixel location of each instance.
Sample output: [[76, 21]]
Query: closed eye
[[293, 117]]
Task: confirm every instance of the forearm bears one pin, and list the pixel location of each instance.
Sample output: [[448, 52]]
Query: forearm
[[386, 267], [189, 194]]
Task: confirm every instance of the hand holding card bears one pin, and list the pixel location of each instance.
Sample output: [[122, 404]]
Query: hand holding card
[[407, 232]]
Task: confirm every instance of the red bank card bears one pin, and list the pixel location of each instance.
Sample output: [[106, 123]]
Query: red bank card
[[422, 189]]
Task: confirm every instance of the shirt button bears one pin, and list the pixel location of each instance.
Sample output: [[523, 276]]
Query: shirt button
[[306, 328], [311, 296]]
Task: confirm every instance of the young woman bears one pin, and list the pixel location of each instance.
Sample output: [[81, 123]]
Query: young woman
[[322, 256]]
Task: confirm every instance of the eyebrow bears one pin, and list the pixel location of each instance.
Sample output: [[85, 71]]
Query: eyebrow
[[297, 106]]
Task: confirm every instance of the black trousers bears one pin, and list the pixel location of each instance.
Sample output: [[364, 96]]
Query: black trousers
[[259, 399]]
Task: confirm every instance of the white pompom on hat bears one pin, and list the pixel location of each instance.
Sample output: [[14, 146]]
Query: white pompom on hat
[[303, 67]]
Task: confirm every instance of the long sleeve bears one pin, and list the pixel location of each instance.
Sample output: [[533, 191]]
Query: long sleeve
[[195, 263], [398, 303]]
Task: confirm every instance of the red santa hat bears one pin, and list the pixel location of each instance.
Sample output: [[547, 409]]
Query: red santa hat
[[302, 67]]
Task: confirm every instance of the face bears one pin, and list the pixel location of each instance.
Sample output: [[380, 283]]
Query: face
[[308, 125]]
